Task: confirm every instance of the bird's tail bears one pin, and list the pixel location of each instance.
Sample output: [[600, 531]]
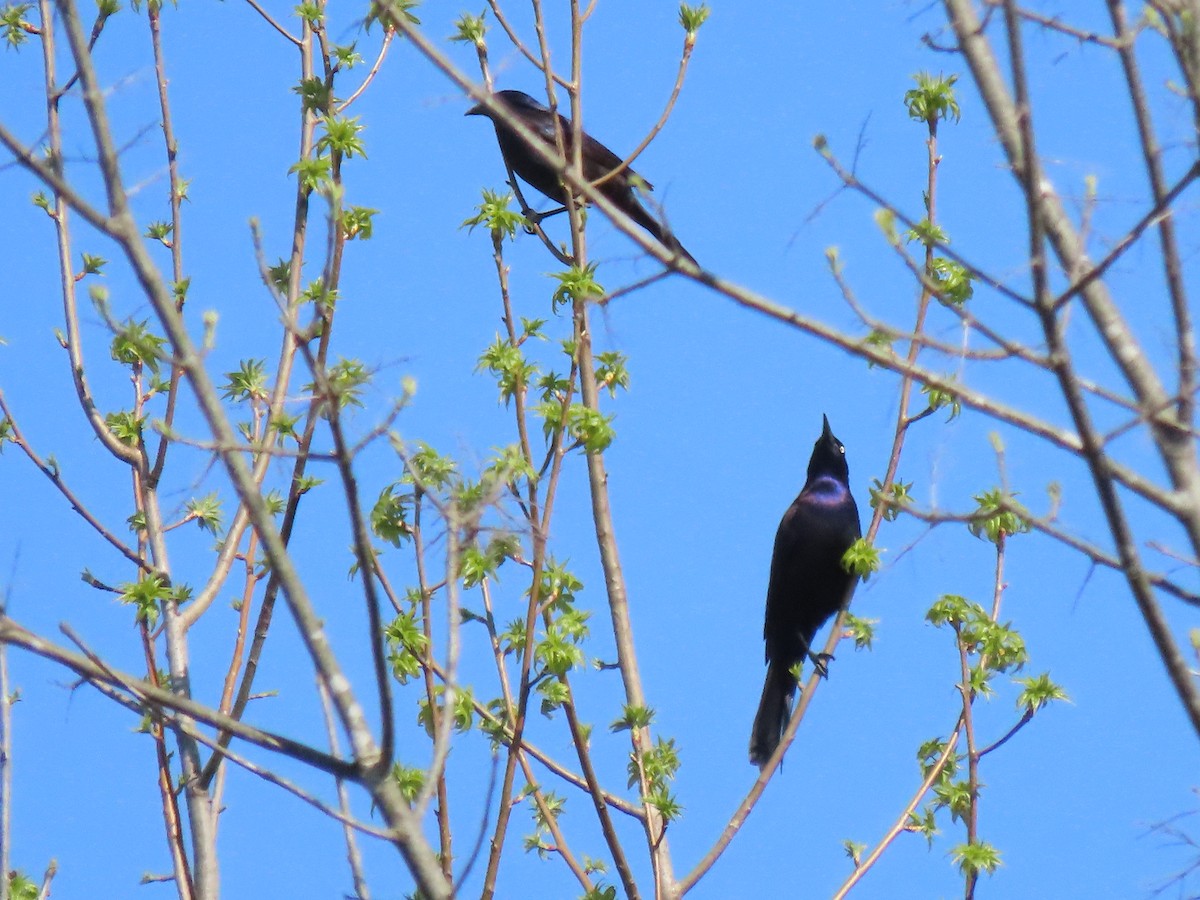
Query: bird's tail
[[661, 232], [774, 710]]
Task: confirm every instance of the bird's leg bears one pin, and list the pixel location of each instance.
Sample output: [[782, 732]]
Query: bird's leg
[[536, 218]]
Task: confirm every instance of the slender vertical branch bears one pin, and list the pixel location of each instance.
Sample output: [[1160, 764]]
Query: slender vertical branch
[[175, 186], [6, 763], [1152, 160], [353, 856]]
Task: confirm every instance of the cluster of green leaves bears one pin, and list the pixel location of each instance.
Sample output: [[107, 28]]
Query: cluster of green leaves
[[942, 398], [389, 517], [410, 780], [469, 29], [933, 99], [588, 428], [861, 559], [576, 284], [20, 887], [463, 712], [993, 647], [14, 25], [659, 764], [147, 595], [406, 642], [551, 807], [136, 346], [497, 215], [205, 512], [692, 17], [892, 498], [990, 648], [386, 14], [998, 515], [345, 382], [559, 647], [126, 426]]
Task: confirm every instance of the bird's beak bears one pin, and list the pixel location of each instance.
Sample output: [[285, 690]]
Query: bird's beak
[[476, 110], [826, 431]]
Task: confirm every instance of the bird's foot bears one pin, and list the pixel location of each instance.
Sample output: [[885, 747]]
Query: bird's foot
[[821, 662]]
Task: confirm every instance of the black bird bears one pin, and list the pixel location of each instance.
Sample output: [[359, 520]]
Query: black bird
[[598, 161], [808, 583]]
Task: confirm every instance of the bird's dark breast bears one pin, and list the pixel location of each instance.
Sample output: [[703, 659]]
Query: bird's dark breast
[[808, 583], [528, 166]]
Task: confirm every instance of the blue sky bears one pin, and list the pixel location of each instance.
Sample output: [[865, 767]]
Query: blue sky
[[712, 442]]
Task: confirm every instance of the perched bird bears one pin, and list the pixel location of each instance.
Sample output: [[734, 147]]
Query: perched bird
[[598, 161], [808, 583]]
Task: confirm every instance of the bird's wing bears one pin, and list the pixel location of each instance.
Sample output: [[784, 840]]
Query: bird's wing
[[598, 161]]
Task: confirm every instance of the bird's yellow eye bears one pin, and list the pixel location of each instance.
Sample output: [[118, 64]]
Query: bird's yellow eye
[[842, 449]]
